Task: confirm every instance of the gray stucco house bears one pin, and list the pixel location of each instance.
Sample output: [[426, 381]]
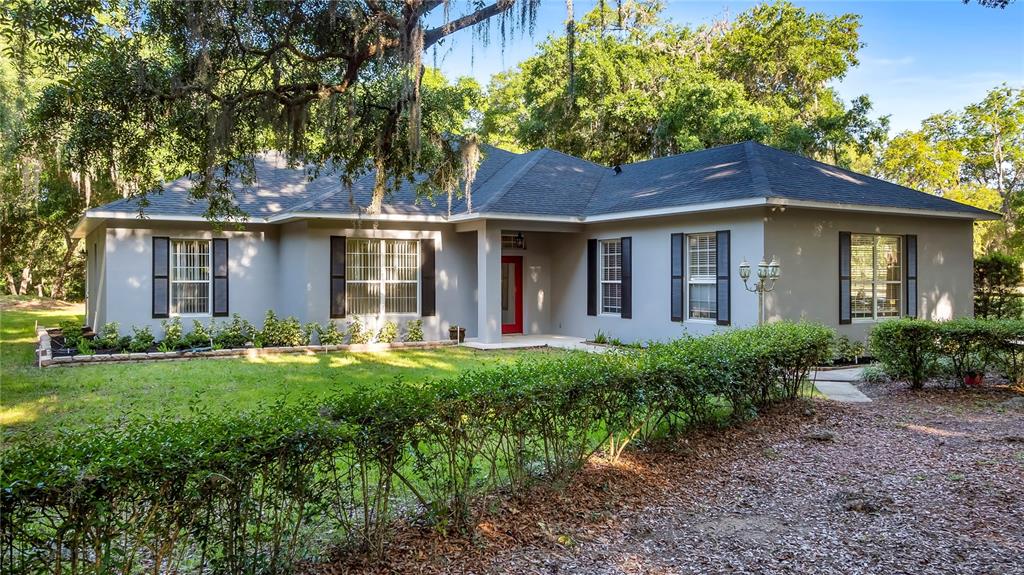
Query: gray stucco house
[[554, 245]]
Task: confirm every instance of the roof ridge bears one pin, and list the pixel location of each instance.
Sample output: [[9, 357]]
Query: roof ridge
[[316, 199], [758, 176], [515, 178], [701, 151]]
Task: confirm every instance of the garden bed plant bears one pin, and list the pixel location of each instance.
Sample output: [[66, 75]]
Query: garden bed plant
[[71, 339]]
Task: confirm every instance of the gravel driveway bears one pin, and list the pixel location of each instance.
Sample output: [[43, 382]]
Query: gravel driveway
[[918, 483]]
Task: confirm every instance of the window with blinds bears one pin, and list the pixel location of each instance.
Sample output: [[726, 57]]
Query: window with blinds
[[611, 276], [382, 276], [701, 266], [876, 276], [190, 277]]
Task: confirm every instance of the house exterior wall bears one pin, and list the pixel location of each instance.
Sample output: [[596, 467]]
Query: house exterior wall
[[807, 245], [95, 280], [536, 279], [127, 274], [651, 275]]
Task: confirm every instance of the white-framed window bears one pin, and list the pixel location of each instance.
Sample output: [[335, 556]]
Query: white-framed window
[[611, 276], [701, 273], [191, 285], [876, 276], [382, 276]]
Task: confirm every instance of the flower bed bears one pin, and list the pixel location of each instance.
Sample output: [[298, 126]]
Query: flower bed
[[72, 344]]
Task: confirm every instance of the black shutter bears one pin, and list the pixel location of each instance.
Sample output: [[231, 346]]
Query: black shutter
[[723, 295], [161, 273], [627, 278], [220, 277], [677, 304], [591, 277], [844, 277], [428, 293], [910, 260], [337, 276]]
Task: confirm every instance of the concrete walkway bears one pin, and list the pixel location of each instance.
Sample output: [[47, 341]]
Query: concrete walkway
[[528, 341], [837, 384]]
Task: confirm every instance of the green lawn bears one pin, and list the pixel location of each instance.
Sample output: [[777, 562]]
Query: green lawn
[[36, 401]]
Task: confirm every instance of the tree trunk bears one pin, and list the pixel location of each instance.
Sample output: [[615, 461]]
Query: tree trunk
[[26, 280], [12, 286], [71, 244]]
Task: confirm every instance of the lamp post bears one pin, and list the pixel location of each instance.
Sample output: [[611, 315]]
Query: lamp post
[[767, 275]]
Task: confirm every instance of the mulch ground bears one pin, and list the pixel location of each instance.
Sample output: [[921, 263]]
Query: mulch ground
[[915, 482]]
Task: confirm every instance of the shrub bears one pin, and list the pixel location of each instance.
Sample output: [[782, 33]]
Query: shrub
[[109, 338], [329, 334], [846, 350], [357, 333], [414, 330], [600, 337], [968, 345], [286, 332], [255, 492], [875, 373], [1009, 349], [199, 336], [71, 330], [173, 334], [388, 332], [142, 340], [236, 333], [906, 348], [996, 277]]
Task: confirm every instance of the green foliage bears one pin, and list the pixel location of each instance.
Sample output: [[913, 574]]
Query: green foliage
[[174, 336], [388, 332], [968, 344], [656, 88], [257, 490], [414, 330], [600, 337], [277, 332], [1009, 349], [198, 337], [846, 350], [329, 334], [108, 337], [84, 347], [906, 348], [142, 340], [71, 330], [357, 333], [875, 373], [996, 279], [236, 333]]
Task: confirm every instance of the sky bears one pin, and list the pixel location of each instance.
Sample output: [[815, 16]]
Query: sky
[[921, 57]]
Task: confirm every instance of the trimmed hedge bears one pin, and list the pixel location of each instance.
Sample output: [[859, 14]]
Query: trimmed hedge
[[259, 491], [915, 350]]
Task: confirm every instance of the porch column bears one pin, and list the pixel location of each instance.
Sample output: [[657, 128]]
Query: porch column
[[488, 269]]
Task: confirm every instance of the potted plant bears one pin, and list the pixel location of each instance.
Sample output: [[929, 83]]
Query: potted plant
[[456, 333]]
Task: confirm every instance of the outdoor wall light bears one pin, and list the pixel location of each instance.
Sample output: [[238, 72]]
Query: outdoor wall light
[[767, 274]]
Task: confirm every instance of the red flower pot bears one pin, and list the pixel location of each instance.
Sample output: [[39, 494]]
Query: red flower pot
[[974, 379]]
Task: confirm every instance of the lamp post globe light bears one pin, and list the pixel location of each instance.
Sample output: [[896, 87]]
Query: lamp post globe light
[[767, 275]]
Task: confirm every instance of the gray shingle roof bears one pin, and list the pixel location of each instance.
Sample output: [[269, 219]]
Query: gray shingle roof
[[547, 182]]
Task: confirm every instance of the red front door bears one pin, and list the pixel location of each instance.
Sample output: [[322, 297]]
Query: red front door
[[511, 294]]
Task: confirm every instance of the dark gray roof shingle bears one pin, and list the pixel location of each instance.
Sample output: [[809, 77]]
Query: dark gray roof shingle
[[547, 182]]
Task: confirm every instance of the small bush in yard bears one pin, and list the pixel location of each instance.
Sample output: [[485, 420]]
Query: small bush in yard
[[388, 332], [199, 337], [174, 334], [109, 338], [414, 330], [846, 350], [282, 332], [357, 333], [142, 340], [235, 333], [906, 348], [1009, 349], [968, 345], [72, 331], [329, 334]]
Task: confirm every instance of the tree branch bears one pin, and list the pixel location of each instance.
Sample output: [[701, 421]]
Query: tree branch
[[430, 37]]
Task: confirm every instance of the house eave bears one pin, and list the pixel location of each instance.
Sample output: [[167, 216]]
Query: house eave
[[843, 207]]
